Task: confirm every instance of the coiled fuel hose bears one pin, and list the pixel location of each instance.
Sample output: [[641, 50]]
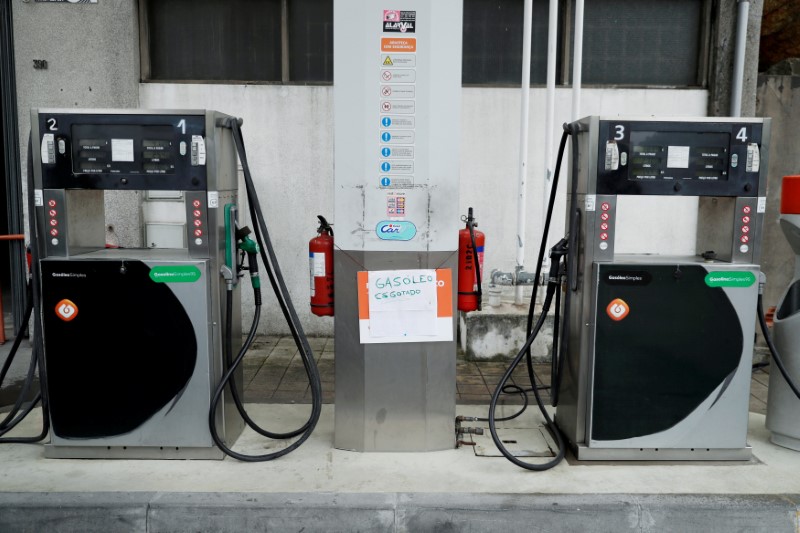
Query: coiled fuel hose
[[558, 255], [268, 257]]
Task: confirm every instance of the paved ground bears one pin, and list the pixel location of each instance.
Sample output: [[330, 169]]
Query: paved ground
[[273, 373]]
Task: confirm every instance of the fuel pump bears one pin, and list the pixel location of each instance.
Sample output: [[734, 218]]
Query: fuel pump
[[164, 325], [624, 387]]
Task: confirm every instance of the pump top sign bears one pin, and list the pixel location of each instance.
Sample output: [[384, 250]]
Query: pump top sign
[[399, 21]]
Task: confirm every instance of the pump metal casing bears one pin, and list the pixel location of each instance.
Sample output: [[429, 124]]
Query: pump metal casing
[[657, 355], [133, 338]]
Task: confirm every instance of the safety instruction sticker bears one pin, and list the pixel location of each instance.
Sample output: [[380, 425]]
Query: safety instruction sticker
[[397, 91], [405, 306], [399, 60], [394, 44]]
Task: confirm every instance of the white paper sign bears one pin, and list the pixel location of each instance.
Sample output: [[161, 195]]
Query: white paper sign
[[402, 303]]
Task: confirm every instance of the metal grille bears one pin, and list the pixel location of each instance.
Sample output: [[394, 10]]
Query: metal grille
[[655, 42], [209, 40], [492, 42]]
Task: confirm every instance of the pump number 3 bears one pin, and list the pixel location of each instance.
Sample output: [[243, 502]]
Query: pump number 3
[[619, 132]]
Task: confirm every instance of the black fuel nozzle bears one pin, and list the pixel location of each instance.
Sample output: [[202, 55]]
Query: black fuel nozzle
[[557, 252], [324, 226]]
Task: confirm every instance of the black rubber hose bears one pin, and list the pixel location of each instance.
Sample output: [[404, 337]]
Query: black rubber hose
[[550, 424], [282, 295], [543, 245], [773, 350], [37, 355], [279, 287]]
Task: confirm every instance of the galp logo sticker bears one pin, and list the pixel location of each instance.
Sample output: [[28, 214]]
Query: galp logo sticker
[[66, 310], [617, 309]]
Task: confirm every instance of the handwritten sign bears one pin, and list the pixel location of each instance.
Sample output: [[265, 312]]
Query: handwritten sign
[[402, 302], [405, 305]]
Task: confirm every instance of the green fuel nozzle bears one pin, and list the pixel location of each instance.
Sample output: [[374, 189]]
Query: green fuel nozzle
[[250, 247]]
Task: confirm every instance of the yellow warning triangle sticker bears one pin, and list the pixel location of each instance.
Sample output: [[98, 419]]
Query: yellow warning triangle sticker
[[388, 61]]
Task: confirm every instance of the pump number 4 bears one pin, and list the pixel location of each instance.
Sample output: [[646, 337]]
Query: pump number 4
[[742, 135]]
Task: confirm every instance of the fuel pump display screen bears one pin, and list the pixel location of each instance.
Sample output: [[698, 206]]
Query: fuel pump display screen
[[137, 151], [123, 149], [678, 156]]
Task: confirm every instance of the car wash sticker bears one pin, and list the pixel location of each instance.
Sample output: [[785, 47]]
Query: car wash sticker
[[618, 309], [66, 310], [395, 230], [399, 21], [734, 278], [175, 274]]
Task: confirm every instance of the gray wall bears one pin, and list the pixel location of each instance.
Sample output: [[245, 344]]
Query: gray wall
[[779, 98], [92, 54], [723, 47]]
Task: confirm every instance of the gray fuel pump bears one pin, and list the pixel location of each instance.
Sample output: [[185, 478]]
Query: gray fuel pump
[[132, 337], [658, 350], [783, 411]]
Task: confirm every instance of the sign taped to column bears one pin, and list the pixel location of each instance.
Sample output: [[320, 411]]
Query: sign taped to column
[[405, 306]]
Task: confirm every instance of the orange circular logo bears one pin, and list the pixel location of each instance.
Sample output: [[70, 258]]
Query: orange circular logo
[[617, 309], [66, 310]]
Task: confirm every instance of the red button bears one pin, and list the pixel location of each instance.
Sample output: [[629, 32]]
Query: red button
[[745, 229], [198, 222], [54, 232], [196, 213], [603, 226], [51, 203], [745, 219], [604, 216], [605, 206], [746, 209], [744, 238], [604, 236], [53, 222], [196, 203], [198, 232]]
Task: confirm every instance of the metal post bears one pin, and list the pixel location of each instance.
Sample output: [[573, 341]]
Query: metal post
[[523, 143], [738, 61]]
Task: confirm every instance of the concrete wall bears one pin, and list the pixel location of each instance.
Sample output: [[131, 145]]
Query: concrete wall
[[723, 40], [289, 136], [777, 96], [92, 54]]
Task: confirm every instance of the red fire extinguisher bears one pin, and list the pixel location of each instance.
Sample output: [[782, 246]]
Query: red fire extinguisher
[[320, 260], [470, 265]]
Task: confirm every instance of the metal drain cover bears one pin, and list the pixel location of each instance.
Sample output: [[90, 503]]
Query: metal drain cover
[[521, 442]]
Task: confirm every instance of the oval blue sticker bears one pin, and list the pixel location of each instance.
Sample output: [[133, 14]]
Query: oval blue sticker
[[396, 230]]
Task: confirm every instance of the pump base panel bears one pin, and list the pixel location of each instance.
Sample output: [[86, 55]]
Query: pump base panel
[[123, 452], [584, 453]]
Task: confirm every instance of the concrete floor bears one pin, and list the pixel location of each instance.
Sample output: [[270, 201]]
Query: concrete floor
[[319, 488]]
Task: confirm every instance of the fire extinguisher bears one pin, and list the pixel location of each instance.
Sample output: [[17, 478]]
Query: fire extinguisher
[[470, 265], [320, 260]]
